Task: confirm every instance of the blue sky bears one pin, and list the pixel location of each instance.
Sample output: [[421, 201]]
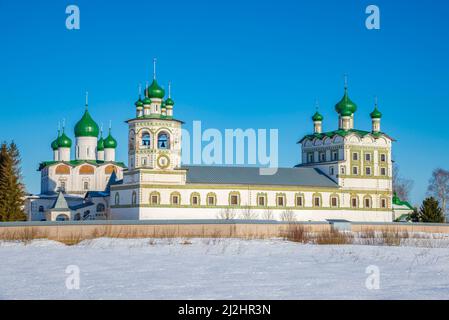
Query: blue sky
[[233, 64]]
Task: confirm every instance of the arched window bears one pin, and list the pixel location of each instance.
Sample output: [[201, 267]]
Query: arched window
[[134, 198], [117, 199], [354, 202], [86, 169], [146, 139], [155, 198], [195, 199], [211, 199], [367, 202], [334, 201], [163, 141], [62, 217], [280, 200], [100, 207], [175, 198], [317, 200], [62, 169], [110, 169], [234, 198], [299, 200]]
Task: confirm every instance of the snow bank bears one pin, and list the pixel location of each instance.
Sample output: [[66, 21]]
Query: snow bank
[[220, 269]]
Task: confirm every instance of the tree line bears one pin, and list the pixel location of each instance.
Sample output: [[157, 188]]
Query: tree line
[[12, 190], [435, 207]]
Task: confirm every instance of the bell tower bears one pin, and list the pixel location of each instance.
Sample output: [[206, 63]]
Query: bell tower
[[154, 136]]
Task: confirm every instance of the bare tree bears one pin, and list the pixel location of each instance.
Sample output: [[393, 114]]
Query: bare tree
[[439, 187], [401, 186], [249, 214], [226, 214], [268, 215], [288, 216]]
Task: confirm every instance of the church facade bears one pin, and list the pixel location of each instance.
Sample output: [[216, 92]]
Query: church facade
[[344, 174]]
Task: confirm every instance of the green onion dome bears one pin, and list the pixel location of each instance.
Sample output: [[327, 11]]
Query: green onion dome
[[100, 144], [376, 114], [345, 113], [155, 91], [110, 142], [163, 105], [64, 141], [55, 144], [139, 103], [146, 101], [169, 102], [86, 127], [345, 105], [317, 117]]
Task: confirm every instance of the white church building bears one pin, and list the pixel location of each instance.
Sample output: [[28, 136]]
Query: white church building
[[344, 174]]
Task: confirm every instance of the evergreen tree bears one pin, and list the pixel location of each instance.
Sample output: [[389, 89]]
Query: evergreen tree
[[11, 188], [414, 217], [3, 157], [430, 211]]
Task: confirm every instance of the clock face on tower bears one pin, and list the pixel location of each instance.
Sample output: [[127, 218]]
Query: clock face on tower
[[163, 161]]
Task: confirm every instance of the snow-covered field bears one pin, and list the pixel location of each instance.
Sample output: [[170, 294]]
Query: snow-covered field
[[221, 269]]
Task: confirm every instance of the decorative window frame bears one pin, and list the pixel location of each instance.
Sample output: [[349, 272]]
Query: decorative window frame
[[263, 195], [356, 197], [284, 199], [152, 194], [211, 195], [195, 194], [299, 195], [175, 194], [370, 169], [370, 202], [371, 156], [386, 203], [234, 193], [336, 196], [319, 196]]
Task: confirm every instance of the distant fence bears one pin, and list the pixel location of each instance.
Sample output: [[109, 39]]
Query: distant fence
[[191, 228]]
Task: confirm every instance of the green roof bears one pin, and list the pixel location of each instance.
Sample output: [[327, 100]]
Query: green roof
[[317, 117], [146, 101], [343, 133], [155, 91], [169, 102], [110, 142], [55, 144], [75, 163], [376, 114], [86, 127], [139, 103], [345, 107], [399, 202], [100, 144], [64, 141]]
